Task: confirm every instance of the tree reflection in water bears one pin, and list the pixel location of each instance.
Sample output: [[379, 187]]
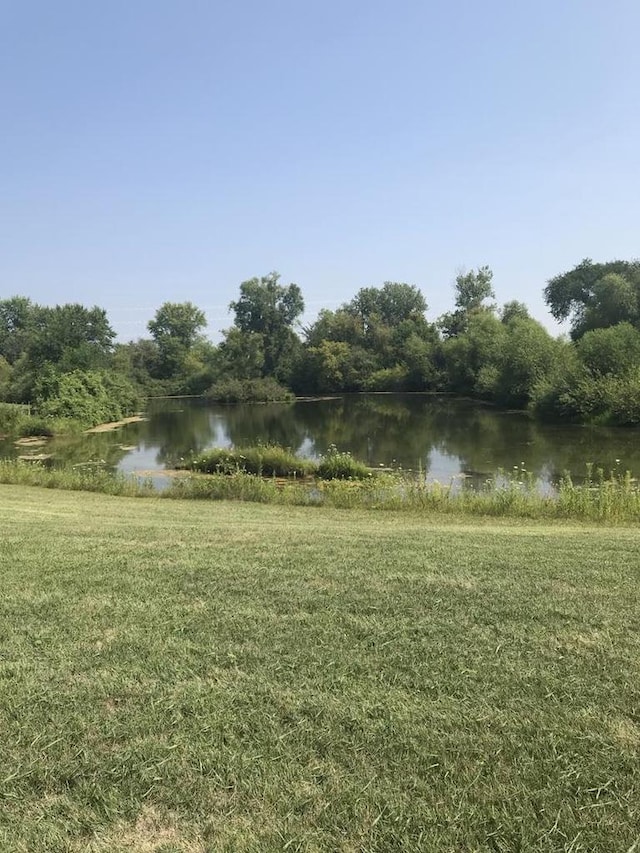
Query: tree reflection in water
[[438, 434]]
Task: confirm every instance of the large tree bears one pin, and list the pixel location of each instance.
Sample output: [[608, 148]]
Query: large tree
[[176, 329], [382, 338], [181, 321], [390, 304], [472, 289], [595, 296], [271, 310], [16, 321], [70, 336]]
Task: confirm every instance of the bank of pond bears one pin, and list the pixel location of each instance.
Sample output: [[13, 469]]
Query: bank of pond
[[598, 498]]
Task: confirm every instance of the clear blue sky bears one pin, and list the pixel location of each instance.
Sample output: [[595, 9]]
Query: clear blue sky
[[155, 150]]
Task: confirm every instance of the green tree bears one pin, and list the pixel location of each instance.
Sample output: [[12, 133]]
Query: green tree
[[472, 358], [329, 366], [390, 304], [64, 337], [339, 325], [176, 329], [514, 310], [16, 322], [594, 296], [178, 321], [385, 342], [88, 396], [241, 354], [270, 309], [611, 351], [70, 336], [472, 289], [140, 362], [528, 355]]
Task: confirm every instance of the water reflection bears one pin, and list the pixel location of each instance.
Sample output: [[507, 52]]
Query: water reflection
[[439, 435]]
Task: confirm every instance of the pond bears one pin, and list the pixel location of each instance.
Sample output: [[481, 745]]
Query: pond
[[443, 437]]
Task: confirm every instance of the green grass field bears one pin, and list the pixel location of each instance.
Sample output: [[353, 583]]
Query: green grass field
[[194, 676]]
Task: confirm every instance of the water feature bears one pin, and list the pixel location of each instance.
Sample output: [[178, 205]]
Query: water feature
[[443, 437]]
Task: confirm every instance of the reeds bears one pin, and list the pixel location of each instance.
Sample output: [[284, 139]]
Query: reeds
[[613, 498], [271, 460]]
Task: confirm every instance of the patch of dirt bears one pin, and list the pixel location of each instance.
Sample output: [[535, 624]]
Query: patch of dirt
[[36, 457], [113, 425], [32, 441]]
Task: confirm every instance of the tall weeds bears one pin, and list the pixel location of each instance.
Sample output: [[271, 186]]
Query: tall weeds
[[612, 499]]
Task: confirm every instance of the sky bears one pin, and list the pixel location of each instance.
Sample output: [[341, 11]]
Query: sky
[[167, 150]]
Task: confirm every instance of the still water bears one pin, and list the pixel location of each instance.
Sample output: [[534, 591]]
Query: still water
[[445, 438]]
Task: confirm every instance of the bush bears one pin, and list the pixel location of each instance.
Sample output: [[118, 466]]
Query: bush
[[16, 420], [341, 466], [268, 460], [90, 397], [249, 391], [388, 379], [12, 416], [608, 399]]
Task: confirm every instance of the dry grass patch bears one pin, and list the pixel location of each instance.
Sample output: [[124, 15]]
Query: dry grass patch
[[151, 833]]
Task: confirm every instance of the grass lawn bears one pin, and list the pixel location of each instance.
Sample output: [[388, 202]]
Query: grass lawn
[[193, 676]]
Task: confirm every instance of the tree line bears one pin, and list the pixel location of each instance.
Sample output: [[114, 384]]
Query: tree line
[[65, 361]]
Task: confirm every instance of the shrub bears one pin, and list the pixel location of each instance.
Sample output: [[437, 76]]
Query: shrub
[[388, 379], [336, 465], [267, 460], [270, 460], [249, 391], [91, 397], [12, 416]]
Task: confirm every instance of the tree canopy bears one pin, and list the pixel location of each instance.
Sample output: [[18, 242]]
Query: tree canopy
[[471, 290], [270, 309], [177, 321], [61, 358], [594, 296]]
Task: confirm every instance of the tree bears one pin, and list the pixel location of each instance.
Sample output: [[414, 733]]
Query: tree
[[595, 296], [611, 351], [329, 366], [88, 396], [390, 304], [514, 310], [615, 300], [472, 358], [176, 329], [271, 310], [241, 355], [70, 336], [472, 289], [16, 321], [179, 321], [337, 325], [385, 341], [528, 356]]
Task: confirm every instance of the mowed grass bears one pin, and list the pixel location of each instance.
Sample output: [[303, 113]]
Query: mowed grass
[[186, 676]]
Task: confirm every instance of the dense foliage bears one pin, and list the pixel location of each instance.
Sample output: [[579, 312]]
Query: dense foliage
[[64, 361]]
